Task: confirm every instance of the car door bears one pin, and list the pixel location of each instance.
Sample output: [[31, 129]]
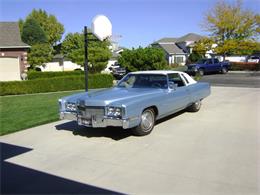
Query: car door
[[216, 65], [209, 67], [178, 98]]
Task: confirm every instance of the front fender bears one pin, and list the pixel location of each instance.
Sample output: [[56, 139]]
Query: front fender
[[135, 109]]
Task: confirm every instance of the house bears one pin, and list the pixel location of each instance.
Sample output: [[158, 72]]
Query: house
[[13, 52], [177, 50]]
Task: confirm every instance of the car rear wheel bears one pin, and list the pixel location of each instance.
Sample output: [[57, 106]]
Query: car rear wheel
[[147, 123], [195, 107]]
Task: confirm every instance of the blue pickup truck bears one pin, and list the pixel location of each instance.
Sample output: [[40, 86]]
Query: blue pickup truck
[[208, 65]]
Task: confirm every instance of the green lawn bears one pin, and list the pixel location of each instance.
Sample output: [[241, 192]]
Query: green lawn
[[21, 112]]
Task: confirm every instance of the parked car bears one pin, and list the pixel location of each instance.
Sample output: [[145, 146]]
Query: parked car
[[115, 65], [208, 65], [136, 102], [254, 59], [119, 72]]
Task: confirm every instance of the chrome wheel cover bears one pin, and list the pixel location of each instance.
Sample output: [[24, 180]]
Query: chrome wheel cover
[[201, 72], [197, 104], [147, 120]]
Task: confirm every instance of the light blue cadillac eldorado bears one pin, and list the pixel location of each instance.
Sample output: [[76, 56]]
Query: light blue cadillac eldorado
[[136, 102]]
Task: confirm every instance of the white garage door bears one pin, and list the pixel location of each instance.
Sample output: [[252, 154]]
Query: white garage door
[[9, 69]]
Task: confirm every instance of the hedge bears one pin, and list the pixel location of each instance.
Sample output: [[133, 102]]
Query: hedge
[[245, 66], [55, 84], [40, 75]]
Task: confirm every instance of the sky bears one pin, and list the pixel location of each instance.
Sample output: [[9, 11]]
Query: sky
[[139, 22]]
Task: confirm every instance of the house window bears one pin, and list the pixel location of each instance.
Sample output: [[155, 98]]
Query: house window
[[178, 59]]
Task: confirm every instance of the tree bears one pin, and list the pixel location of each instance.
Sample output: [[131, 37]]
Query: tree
[[148, 58], [50, 25], [229, 25], [203, 45], [98, 51], [32, 33], [39, 54], [194, 57], [248, 47], [21, 23]]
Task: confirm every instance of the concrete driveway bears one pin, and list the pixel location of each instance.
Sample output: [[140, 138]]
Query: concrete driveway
[[214, 151]]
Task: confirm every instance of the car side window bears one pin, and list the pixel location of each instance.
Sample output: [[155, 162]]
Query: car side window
[[176, 78], [216, 61]]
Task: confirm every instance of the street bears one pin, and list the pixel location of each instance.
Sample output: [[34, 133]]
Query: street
[[213, 151]]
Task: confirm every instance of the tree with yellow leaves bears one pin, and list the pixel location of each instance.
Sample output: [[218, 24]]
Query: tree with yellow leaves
[[234, 29]]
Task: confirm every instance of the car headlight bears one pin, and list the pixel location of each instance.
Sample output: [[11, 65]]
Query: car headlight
[[116, 112], [71, 107], [194, 68]]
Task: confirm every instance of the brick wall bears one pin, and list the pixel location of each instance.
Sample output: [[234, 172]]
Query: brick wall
[[19, 52]]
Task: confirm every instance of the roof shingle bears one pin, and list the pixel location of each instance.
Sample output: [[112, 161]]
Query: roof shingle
[[10, 36], [167, 40], [190, 37], [187, 37], [172, 49]]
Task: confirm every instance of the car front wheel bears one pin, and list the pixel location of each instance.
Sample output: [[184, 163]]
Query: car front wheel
[[224, 70], [195, 107], [147, 123], [201, 72]]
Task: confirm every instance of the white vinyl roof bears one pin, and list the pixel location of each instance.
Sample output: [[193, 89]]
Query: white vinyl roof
[[156, 72], [165, 72]]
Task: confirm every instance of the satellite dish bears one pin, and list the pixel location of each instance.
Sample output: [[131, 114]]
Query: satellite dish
[[101, 27]]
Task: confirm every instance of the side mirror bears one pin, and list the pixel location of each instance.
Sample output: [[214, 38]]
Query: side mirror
[[172, 85]]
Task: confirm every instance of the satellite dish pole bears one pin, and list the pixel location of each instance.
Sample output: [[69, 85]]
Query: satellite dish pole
[[102, 29]]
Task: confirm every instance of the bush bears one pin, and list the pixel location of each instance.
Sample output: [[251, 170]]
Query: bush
[[177, 67], [40, 75], [55, 84], [149, 58], [245, 66]]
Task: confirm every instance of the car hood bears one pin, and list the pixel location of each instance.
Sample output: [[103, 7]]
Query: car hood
[[112, 96], [193, 65]]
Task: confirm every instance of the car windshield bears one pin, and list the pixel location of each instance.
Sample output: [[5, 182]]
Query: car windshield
[[201, 61], [144, 81]]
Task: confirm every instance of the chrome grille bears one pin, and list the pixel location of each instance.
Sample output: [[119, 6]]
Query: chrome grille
[[89, 112]]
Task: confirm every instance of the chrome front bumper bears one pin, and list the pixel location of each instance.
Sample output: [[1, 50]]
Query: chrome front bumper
[[68, 115], [100, 122]]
